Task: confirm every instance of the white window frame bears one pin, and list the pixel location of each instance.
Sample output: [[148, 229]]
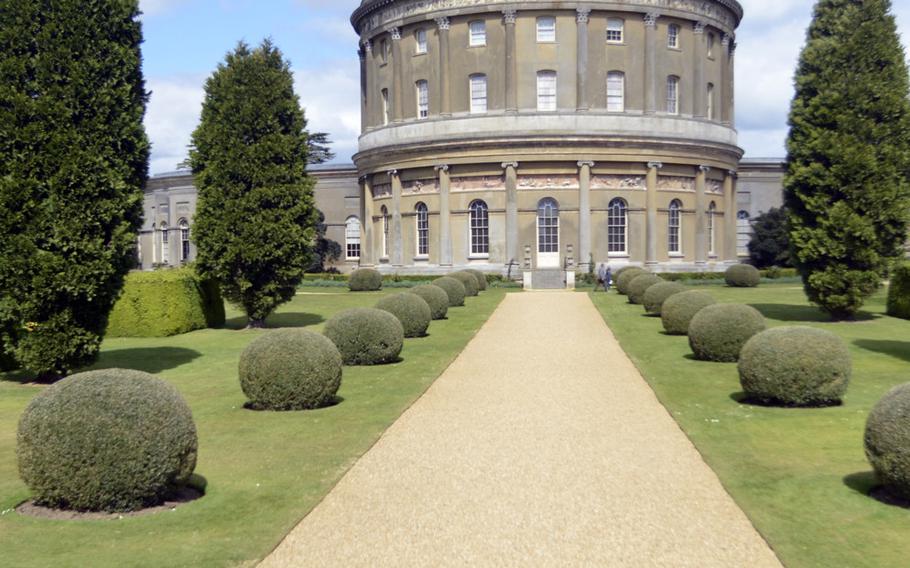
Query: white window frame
[[711, 41], [184, 240], [165, 244], [618, 218], [673, 36], [352, 250], [712, 236], [423, 99], [616, 34], [547, 93], [674, 228], [709, 111], [673, 95], [546, 33], [384, 212], [477, 33], [616, 98], [420, 37], [384, 97], [479, 223], [477, 90], [422, 226]]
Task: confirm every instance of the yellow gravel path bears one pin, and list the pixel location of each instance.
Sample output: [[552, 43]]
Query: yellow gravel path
[[540, 446]]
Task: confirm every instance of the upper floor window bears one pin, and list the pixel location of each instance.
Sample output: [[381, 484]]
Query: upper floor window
[[352, 238], [673, 36], [546, 29], [478, 93], [710, 109], [616, 91], [421, 37], [546, 90], [423, 100], [385, 106], [674, 224], [710, 45], [673, 94], [480, 228], [615, 29], [423, 229], [478, 33], [385, 50], [184, 240]]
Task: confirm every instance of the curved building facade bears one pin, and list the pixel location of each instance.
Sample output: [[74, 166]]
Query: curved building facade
[[544, 134]]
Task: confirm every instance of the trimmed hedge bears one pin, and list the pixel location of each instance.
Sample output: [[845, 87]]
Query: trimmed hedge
[[435, 297], [480, 277], [656, 295], [639, 285], [290, 369], [468, 280], [111, 440], [618, 273], [899, 291], [718, 332], [365, 280], [742, 276], [165, 303], [366, 336], [411, 310], [795, 366], [678, 310], [887, 440], [453, 288], [622, 281]]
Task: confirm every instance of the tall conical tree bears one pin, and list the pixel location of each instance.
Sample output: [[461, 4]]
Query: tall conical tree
[[255, 223], [846, 188], [73, 160]]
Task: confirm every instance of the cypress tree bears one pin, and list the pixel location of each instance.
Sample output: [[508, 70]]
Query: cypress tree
[[846, 187], [255, 222], [73, 160]]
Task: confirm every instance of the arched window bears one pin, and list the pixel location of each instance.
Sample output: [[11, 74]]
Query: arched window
[[712, 212], [165, 244], [546, 90], [548, 225], [743, 232], [352, 238], [674, 225], [385, 106], [423, 229], [184, 241], [616, 91], [673, 94], [384, 211], [615, 28], [480, 228], [617, 226], [423, 100], [478, 84]]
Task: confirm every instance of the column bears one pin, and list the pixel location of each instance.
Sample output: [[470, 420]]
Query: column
[[724, 112], [730, 221], [651, 83], [397, 252], [731, 85], [362, 53], [511, 169], [445, 216], [651, 215], [367, 249], [397, 76], [701, 226], [584, 212], [508, 18], [445, 96], [700, 50], [581, 81]]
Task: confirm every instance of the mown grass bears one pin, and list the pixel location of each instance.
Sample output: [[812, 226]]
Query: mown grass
[[264, 471], [799, 474]]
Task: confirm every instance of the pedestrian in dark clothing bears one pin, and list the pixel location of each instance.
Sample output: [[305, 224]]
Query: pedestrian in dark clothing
[[602, 274]]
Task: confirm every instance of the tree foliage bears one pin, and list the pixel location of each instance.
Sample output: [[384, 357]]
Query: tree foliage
[[73, 160], [255, 224], [846, 188], [770, 242]]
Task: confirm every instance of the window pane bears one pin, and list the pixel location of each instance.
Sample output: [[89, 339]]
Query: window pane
[[480, 228], [352, 238], [673, 95], [615, 30], [423, 99], [547, 226], [546, 90], [673, 229], [673, 36], [423, 230], [546, 29], [616, 91], [421, 41], [479, 93], [616, 227], [478, 34]]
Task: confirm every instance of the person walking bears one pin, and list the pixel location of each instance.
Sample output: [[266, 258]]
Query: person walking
[[608, 279], [602, 274]]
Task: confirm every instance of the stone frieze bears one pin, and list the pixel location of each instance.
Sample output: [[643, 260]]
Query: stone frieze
[[618, 182], [676, 183], [547, 182], [419, 186], [476, 183]]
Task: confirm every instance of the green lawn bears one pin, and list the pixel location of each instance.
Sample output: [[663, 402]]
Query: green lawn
[[799, 474], [264, 471]]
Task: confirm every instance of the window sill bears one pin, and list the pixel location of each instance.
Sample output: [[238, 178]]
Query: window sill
[[617, 255], [620, 43], [422, 258], [676, 255], [352, 259], [419, 53], [479, 257]]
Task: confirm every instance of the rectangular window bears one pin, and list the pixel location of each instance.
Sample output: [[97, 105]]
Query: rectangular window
[[423, 231], [673, 36], [423, 100], [673, 95], [385, 50], [478, 35], [546, 90], [478, 93], [352, 239], [421, 37], [616, 90], [615, 28], [546, 29], [710, 110], [710, 45], [385, 106]]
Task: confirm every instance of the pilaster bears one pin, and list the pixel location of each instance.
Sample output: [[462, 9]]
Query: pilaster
[[701, 206], [367, 250], [398, 76], [511, 174], [725, 70], [508, 19], [397, 252], [700, 87], [651, 83], [581, 85], [651, 214], [584, 211], [445, 216], [730, 221], [445, 94]]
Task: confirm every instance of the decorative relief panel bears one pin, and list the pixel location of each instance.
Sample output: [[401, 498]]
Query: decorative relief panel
[[382, 190], [419, 186], [714, 186], [547, 182], [618, 182], [477, 183], [676, 183]]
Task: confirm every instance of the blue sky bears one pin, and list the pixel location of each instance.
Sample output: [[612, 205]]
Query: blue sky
[[186, 39]]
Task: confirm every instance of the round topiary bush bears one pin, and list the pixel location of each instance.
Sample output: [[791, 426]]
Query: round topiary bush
[[290, 369], [679, 309], [624, 279], [411, 310], [887, 440], [435, 297], [656, 295], [718, 332], [468, 280], [365, 280], [113, 440], [797, 366], [366, 336], [453, 288], [639, 285], [742, 276], [480, 277]]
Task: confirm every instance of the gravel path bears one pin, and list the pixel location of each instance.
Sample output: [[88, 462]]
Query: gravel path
[[540, 446]]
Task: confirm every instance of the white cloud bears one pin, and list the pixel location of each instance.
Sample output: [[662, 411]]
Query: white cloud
[[331, 97], [172, 115], [155, 7]]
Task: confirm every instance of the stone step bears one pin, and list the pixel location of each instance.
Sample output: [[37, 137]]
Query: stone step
[[548, 279]]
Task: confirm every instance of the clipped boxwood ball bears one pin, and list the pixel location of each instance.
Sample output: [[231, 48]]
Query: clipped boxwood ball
[[742, 276], [887, 440], [366, 336], [435, 297], [365, 280], [639, 285], [468, 280], [718, 332], [480, 277], [411, 310], [290, 369], [798, 366], [112, 440], [679, 309], [656, 295], [453, 288], [624, 279]]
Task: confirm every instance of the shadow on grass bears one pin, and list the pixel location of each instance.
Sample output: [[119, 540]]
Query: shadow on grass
[[283, 319], [802, 313], [335, 401], [746, 400], [897, 349], [149, 359], [866, 483]]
